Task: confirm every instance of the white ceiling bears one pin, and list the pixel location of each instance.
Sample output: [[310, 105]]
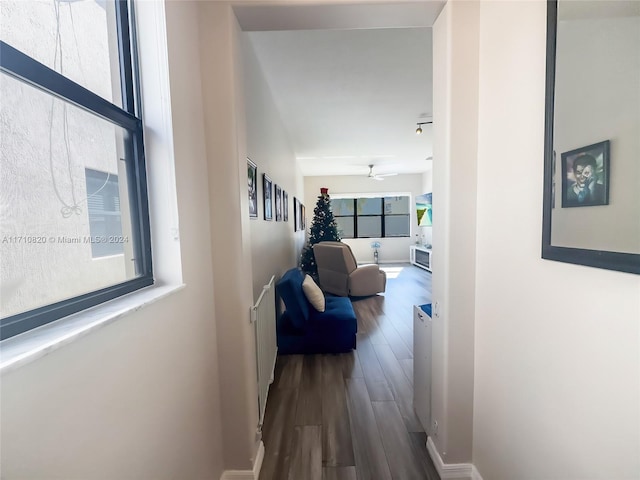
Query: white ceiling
[[350, 97]]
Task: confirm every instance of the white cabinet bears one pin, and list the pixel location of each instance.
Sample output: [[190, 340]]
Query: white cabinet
[[422, 328], [420, 256]]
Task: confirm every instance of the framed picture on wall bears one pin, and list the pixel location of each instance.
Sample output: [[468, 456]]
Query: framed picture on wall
[[296, 214], [303, 224], [267, 191], [252, 187], [285, 206], [278, 203], [585, 176]]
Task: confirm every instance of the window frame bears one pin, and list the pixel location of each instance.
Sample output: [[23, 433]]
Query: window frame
[[382, 216], [21, 66]]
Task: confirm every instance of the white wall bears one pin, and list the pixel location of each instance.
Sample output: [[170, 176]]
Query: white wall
[[557, 355], [455, 109], [225, 133], [139, 398], [392, 249], [611, 114], [275, 247]]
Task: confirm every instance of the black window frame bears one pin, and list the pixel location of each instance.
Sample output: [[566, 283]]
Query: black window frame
[[21, 66], [382, 216]]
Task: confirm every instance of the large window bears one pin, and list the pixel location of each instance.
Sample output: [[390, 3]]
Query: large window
[[376, 217], [74, 224]]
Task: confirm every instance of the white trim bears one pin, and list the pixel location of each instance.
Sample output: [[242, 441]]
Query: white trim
[[29, 346], [458, 471], [247, 474], [475, 474], [158, 141]]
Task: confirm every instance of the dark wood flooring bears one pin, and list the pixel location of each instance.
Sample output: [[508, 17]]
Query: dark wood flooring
[[350, 416]]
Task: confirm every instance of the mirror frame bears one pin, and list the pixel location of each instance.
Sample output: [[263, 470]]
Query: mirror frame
[[622, 262]]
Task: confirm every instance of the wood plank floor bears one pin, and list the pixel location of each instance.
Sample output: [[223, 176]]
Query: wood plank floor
[[350, 416]]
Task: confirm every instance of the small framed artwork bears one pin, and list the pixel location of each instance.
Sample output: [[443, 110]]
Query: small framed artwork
[[585, 176], [278, 200], [267, 191], [303, 224], [296, 214], [285, 206], [252, 187]]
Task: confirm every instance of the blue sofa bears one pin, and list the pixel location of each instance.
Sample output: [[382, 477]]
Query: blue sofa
[[302, 329]]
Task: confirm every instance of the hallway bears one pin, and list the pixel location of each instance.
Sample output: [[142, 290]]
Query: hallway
[[350, 416]]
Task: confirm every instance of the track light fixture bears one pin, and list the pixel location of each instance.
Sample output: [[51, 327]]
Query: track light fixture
[[419, 129]]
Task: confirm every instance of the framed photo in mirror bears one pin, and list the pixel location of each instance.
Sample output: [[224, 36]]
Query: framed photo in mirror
[[585, 176]]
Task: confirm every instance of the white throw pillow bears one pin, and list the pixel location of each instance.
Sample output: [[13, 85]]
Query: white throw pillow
[[313, 293]]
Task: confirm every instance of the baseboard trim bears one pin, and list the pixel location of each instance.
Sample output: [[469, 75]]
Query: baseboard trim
[[247, 474], [459, 471], [475, 474]]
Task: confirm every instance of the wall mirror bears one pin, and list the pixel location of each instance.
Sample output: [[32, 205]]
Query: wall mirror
[[591, 207]]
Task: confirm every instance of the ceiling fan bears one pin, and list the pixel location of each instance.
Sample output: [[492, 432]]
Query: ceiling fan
[[380, 176]]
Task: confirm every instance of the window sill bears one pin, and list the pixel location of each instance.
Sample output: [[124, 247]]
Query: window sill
[[22, 349]]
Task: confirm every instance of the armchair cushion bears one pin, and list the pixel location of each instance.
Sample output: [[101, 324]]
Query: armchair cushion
[[339, 273], [367, 279]]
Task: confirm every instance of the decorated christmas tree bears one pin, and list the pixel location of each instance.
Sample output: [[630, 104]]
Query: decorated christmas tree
[[323, 229]]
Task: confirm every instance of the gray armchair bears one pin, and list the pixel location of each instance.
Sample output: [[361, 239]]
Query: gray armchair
[[339, 273]]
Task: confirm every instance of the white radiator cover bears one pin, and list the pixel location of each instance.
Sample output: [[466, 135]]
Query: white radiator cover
[[263, 317]]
